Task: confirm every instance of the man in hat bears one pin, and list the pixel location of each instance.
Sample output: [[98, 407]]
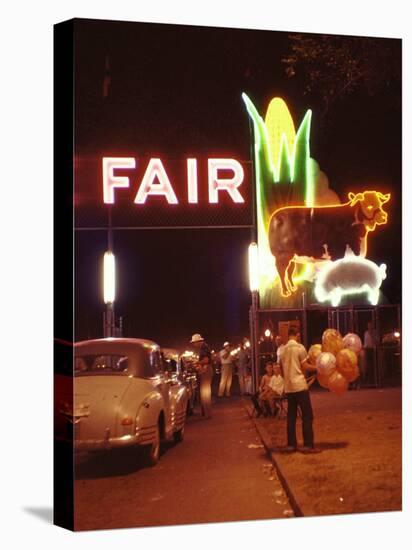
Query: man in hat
[[227, 370], [205, 371]]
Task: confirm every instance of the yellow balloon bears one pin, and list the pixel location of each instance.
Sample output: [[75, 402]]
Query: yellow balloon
[[332, 341], [313, 353], [347, 364], [338, 383]]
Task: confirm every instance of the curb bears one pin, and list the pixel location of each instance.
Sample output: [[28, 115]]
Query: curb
[[266, 440]]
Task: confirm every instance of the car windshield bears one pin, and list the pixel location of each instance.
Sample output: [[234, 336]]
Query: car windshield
[[171, 365], [100, 364]]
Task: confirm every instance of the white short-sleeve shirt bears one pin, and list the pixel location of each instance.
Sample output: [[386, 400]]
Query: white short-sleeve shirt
[[291, 358], [277, 384]]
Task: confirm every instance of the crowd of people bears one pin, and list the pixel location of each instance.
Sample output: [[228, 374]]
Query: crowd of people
[[229, 362], [284, 378]]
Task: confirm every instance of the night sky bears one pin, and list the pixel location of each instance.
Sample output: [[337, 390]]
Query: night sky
[[175, 91]]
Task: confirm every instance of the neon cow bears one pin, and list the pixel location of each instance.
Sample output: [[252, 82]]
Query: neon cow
[[301, 234], [349, 275]]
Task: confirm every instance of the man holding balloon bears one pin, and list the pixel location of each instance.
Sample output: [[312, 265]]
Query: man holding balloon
[[294, 363], [335, 363]]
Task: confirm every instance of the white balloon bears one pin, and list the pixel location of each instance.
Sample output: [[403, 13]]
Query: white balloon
[[353, 342], [326, 363]]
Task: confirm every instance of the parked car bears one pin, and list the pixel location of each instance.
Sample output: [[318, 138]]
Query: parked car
[[63, 387], [181, 371], [123, 397]]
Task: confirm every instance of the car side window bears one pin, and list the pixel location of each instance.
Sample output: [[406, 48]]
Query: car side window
[[155, 363], [163, 367]]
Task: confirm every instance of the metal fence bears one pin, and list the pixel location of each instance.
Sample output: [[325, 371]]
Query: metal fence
[[380, 359]]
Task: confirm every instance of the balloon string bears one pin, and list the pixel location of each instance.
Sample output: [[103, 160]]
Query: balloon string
[[311, 379]]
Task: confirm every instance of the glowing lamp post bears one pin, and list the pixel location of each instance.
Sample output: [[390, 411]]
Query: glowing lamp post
[[253, 268], [254, 288], [109, 292], [109, 274]]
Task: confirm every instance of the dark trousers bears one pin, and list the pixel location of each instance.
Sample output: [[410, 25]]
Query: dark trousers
[[254, 399], [300, 399]]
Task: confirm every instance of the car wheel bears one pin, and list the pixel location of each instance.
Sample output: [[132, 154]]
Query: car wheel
[[152, 452], [179, 435]]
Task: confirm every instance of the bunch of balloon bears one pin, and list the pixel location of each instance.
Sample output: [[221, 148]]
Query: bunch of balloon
[[336, 360]]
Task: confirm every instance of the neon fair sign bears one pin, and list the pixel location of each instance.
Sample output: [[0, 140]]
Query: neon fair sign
[[225, 175], [303, 228]]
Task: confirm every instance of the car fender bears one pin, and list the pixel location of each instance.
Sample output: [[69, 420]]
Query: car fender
[[179, 398], [149, 410]]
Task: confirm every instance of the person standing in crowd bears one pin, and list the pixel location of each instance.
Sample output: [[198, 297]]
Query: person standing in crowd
[[293, 362], [227, 370], [279, 347], [248, 382], [205, 372], [369, 344], [242, 365]]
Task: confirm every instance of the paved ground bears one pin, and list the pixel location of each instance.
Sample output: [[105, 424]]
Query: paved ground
[[220, 472], [360, 466]]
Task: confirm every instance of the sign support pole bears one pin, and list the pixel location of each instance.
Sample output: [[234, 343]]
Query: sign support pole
[[254, 341]]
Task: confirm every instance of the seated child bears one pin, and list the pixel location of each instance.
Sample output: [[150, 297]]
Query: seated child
[[276, 389], [259, 400]]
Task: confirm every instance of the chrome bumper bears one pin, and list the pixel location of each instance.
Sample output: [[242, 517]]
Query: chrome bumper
[[143, 436]]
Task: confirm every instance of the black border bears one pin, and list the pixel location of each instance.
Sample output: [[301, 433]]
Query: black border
[[63, 240]]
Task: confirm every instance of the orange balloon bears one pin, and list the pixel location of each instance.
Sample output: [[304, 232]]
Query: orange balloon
[[332, 341], [347, 364], [323, 381], [313, 353], [338, 383]]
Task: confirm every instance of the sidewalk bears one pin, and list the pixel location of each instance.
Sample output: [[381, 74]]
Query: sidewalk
[[220, 472], [360, 466]]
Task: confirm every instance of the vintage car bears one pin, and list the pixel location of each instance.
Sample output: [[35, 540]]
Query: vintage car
[[124, 398], [182, 371], [63, 388]]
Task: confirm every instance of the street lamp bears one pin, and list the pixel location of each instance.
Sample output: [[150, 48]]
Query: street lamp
[[254, 289], [267, 333], [109, 292], [109, 278], [253, 267]]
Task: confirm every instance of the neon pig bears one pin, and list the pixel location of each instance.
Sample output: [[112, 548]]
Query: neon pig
[[156, 181], [349, 275]]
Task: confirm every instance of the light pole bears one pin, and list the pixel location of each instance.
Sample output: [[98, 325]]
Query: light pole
[[254, 289], [109, 292]]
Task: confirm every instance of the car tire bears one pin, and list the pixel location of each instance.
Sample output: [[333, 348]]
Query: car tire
[[152, 452], [179, 435]]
